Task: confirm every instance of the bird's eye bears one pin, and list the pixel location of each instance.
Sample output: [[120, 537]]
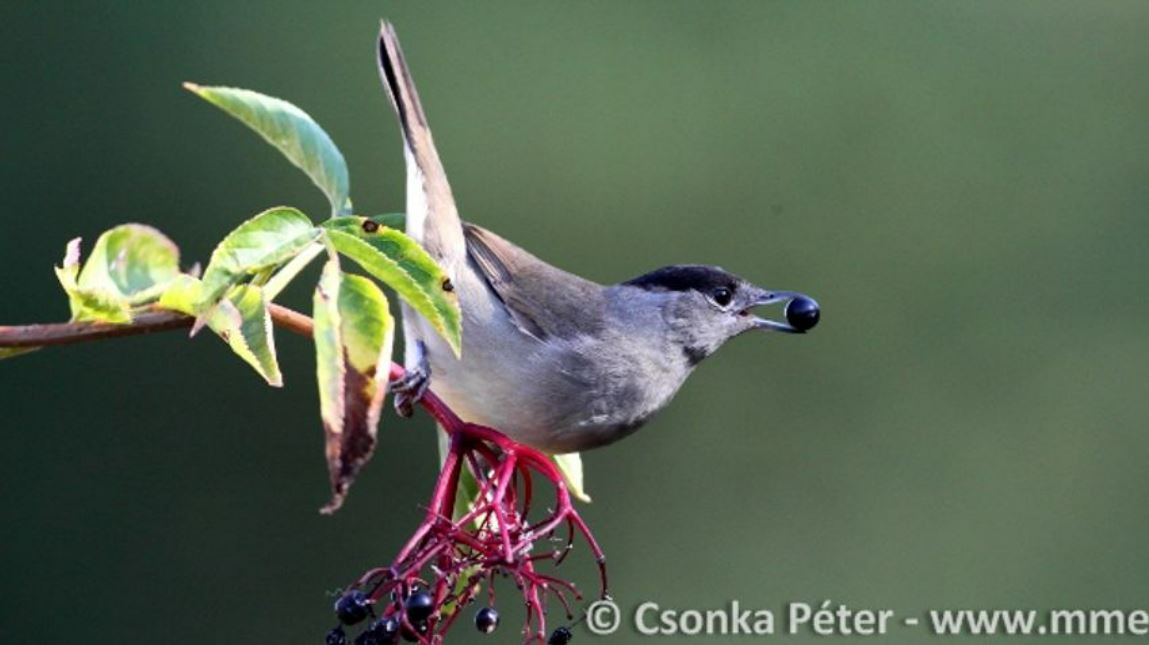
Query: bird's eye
[[722, 296]]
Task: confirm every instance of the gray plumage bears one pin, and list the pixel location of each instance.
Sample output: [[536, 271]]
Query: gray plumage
[[551, 359]]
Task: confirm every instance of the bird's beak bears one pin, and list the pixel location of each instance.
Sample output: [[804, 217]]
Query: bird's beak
[[799, 319]]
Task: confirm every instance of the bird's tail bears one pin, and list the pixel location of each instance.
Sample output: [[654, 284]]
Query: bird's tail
[[432, 218]]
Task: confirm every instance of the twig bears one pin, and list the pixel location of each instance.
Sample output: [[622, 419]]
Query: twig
[[78, 332], [146, 322], [291, 320]]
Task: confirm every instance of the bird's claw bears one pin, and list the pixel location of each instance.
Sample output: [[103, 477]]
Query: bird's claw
[[410, 389]]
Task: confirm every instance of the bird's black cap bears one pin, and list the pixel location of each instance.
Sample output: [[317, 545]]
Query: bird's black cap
[[685, 277]]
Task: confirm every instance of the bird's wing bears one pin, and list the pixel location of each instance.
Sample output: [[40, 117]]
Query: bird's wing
[[432, 219], [541, 300]]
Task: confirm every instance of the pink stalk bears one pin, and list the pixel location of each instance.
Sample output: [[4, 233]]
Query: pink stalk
[[495, 536]]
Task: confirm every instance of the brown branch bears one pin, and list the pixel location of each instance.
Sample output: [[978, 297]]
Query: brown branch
[[291, 320], [146, 322]]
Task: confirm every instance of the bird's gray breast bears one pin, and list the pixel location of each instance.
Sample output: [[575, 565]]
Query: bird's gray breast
[[597, 381], [529, 389]]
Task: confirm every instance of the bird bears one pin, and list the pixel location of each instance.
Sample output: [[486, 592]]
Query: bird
[[553, 360]]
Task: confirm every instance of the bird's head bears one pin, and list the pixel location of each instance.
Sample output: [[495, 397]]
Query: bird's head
[[704, 306]]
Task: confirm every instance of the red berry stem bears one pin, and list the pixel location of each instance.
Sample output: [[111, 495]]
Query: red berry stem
[[452, 558]]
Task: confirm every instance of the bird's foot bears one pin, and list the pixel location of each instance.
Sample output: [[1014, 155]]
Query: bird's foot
[[410, 389]]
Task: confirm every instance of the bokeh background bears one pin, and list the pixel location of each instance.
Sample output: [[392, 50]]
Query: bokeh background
[[962, 186]]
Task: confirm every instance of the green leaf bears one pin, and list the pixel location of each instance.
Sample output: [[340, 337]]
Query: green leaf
[[92, 305], [284, 276], [400, 263], [293, 132], [183, 295], [132, 260], [393, 220], [243, 320], [570, 465], [354, 333], [130, 265], [263, 242]]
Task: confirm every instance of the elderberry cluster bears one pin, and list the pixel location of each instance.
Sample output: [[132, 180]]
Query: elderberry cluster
[[453, 557], [408, 617]]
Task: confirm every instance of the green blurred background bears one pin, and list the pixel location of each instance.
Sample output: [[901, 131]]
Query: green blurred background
[[961, 185]]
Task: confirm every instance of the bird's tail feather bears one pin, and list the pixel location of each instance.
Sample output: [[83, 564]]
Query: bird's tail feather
[[432, 218]]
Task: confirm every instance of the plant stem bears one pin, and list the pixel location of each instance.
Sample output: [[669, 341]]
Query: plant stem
[[77, 332], [148, 321]]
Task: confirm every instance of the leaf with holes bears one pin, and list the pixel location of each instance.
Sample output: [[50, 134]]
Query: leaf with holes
[[354, 332], [293, 132], [400, 263]]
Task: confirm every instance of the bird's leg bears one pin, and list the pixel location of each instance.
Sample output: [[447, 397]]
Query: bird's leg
[[411, 387]]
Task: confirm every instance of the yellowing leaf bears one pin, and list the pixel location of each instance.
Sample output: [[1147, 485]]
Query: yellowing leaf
[[570, 465], [242, 320], [354, 333], [182, 294], [94, 305]]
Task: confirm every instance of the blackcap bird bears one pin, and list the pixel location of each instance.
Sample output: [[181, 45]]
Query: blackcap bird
[[551, 359]]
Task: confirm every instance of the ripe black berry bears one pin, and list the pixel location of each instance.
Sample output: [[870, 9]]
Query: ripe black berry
[[385, 630], [802, 313], [560, 636], [352, 607], [419, 606], [336, 637], [486, 620]]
